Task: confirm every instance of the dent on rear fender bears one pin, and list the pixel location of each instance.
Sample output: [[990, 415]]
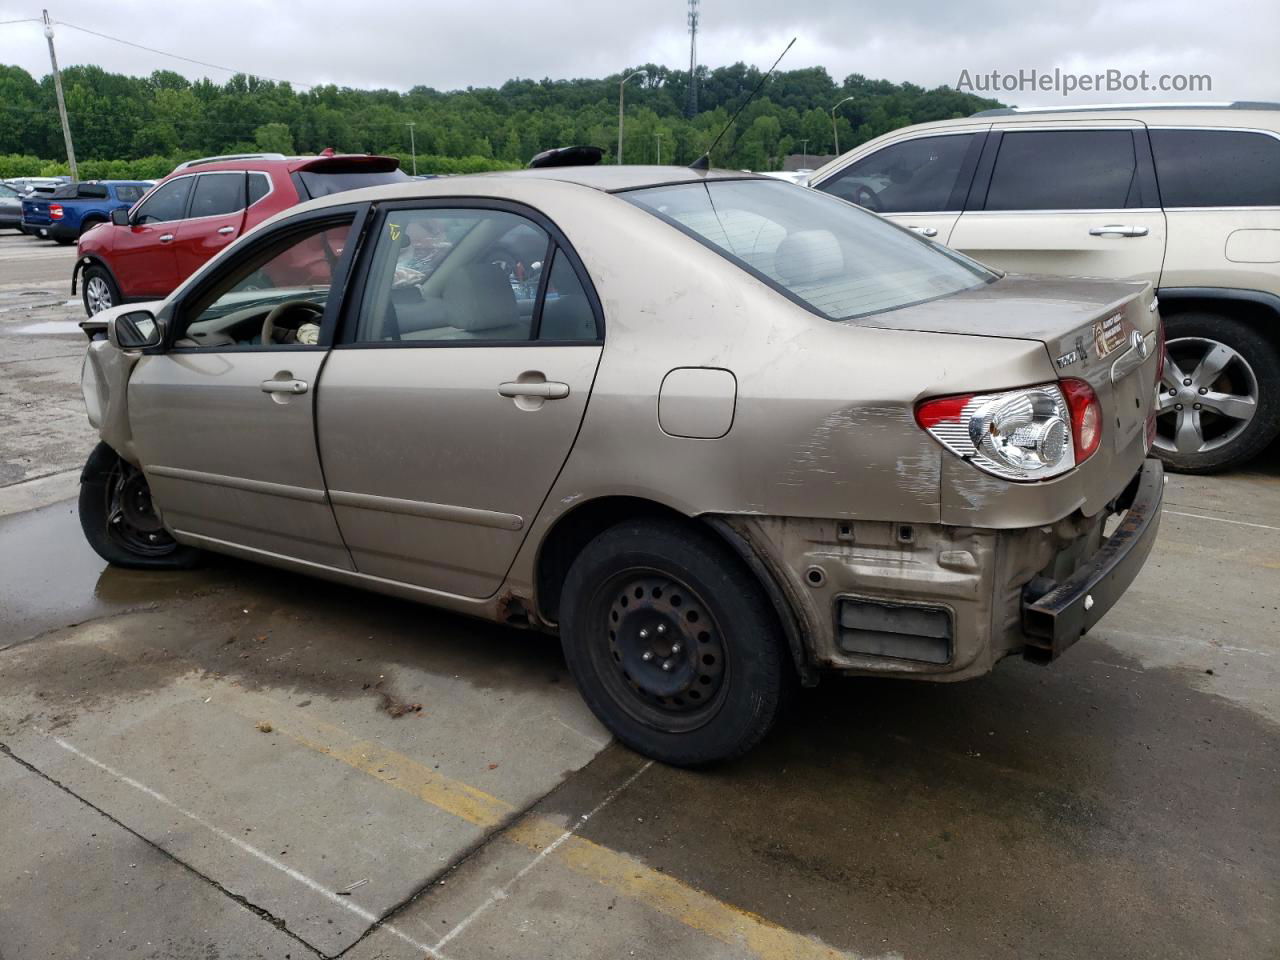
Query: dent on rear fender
[[105, 384]]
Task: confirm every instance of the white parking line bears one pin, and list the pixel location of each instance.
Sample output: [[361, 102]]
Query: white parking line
[[1238, 523], [253, 851]]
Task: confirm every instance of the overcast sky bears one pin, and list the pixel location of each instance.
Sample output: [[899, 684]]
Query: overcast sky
[[482, 43]]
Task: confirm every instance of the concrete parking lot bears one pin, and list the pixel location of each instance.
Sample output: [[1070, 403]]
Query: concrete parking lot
[[238, 762]]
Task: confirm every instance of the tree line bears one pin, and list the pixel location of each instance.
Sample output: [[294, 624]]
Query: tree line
[[141, 127]]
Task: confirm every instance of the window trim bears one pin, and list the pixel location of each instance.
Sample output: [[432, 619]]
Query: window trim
[[212, 270], [344, 338], [271, 188], [1201, 128], [965, 173]]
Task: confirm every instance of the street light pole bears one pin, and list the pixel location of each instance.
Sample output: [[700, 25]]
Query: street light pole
[[804, 153], [622, 86], [413, 147], [835, 133], [62, 104], [659, 139]]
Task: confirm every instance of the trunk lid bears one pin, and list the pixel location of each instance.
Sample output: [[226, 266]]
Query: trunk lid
[[36, 211]]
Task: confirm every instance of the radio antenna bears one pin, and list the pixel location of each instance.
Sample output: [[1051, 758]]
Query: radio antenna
[[704, 161]]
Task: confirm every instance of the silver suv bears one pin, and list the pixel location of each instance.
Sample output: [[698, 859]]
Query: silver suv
[[1186, 197]]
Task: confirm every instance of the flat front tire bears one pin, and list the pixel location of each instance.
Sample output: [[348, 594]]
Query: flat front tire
[[673, 643], [119, 520]]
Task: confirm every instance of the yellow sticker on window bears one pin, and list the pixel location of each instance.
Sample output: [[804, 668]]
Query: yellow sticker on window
[[395, 231]]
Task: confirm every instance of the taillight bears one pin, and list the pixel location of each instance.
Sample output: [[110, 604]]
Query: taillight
[[1024, 434], [1086, 417], [55, 211]]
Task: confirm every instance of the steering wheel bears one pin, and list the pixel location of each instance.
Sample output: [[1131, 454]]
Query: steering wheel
[[280, 309], [864, 197]]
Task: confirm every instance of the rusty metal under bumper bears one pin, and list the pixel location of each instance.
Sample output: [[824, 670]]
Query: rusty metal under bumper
[[1053, 620]]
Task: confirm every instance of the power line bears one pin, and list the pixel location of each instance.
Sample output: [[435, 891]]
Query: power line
[[178, 56], [5, 23]]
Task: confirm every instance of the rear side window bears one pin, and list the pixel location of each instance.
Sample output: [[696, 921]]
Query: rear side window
[[915, 176], [324, 184], [217, 194], [1217, 168], [128, 194], [259, 187], [169, 202], [1065, 170]]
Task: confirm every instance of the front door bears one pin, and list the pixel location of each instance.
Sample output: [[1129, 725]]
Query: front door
[[214, 219], [450, 407], [224, 420], [1075, 202], [142, 253]]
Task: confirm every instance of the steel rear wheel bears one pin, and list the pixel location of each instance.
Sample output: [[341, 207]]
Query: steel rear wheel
[[673, 643], [1219, 398]]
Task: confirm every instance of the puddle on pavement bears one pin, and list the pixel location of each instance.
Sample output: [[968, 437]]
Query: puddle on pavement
[[50, 328], [49, 576]]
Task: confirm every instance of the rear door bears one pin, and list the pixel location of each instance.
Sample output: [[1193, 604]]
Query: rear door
[[214, 219], [142, 254], [918, 181], [1068, 200], [449, 408]]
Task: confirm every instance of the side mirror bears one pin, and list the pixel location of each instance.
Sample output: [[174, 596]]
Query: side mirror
[[120, 217], [135, 331]]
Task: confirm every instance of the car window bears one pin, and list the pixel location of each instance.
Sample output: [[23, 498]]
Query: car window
[[169, 202], [127, 193], [914, 176], [296, 266], [1217, 168], [317, 184], [453, 274], [567, 314], [1065, 170], [8, 191], [259, 187], [217, 194], [837, 260]]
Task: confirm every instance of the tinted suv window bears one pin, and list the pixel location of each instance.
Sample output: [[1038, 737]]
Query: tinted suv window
[[129, 194], [259, 187], [322, 184], [915, 176], [1065, 170], [1217, 168], [169, 202], [217, 194]]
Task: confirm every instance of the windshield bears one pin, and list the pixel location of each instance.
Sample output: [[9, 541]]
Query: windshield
[[830, 256]]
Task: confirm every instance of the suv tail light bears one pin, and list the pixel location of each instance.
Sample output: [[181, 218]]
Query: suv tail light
[[55, 211], [1032, 433]]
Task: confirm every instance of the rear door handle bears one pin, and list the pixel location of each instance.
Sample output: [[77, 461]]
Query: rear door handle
[[1118, 230], [924, 231], [166, 238], [546, 390], [226, 230], [284, 386]]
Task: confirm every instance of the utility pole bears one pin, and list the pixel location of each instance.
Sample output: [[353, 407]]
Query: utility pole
[[413, 148], [62, 104], [804, 154], [691, 108], [658, 136]]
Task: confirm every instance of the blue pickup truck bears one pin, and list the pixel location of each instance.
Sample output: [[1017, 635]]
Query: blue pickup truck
[[73, 208]]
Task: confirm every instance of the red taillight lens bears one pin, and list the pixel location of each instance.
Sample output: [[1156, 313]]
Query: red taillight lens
[[931, 413], [1086, 417], [55, 211]]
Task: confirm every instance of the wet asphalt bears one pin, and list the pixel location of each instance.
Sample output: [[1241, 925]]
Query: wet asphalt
[[238, 762]]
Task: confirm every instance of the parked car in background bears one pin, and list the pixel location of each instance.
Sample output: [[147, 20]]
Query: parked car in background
[[27, 185], [722, 433], [199, 209], [72, 209], [1186, 198], [10, 208]]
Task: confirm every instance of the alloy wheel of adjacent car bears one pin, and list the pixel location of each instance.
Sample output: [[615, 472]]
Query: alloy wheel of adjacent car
[[99, 291], [1217, 400]]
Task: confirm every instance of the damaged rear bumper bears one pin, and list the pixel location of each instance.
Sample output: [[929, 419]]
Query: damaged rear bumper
[[1056, 615]]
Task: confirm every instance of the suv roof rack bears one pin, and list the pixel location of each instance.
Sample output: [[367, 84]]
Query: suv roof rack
[[1085, 108], [230, 156]]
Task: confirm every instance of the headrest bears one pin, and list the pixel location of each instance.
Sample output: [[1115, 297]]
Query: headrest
[[479, 297], [808, 256]]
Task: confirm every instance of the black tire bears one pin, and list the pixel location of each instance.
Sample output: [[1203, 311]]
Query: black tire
[[1226, 441], [87, 225], [99, 273], [709, 695], [118, 520]]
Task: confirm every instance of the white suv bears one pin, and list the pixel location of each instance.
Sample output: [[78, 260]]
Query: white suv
[[1186, 197]]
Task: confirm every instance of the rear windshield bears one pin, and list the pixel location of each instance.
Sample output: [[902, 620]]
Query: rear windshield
[[323, 184], [830, 256]]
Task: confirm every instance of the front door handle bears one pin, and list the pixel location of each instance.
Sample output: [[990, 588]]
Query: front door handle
[[166, 238], [543, 390], [226, 230], [284, 386], [1118, 230], [924, 231]]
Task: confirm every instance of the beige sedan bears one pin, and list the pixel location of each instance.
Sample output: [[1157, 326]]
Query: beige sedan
[[720, 433]]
